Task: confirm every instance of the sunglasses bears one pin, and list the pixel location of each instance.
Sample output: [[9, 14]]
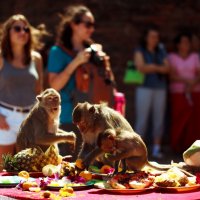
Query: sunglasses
[[88, 24], [18, 29]]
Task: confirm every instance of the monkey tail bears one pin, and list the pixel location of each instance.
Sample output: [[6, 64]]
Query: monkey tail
[[164, 167], [157, 166]]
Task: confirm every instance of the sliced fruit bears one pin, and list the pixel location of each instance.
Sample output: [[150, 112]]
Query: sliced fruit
[[86, 175], [24, 174], [79, 163], [105, 169]]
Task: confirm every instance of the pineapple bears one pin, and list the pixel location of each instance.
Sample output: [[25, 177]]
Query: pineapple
[[9, 162], [27, 160], [51, 156], [31, 159]]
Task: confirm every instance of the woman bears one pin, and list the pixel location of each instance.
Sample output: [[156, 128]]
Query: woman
[[20, 78], [150, 59], [69, 68], [184, 94]]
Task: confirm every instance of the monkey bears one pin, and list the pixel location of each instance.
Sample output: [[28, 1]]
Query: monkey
[[98, 122], [130, 150], [93, 119], [125, 147], [41, 126]]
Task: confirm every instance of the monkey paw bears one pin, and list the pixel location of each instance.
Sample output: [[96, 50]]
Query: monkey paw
[[86, 164], [110, 157]]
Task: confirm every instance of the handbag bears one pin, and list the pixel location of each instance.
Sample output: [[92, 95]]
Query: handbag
[[132, 75]]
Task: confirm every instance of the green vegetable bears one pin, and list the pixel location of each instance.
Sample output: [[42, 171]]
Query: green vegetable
[[94, 169]]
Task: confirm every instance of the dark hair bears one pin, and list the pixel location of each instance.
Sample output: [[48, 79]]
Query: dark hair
[[146, 31], [74, 14], [178, 38]]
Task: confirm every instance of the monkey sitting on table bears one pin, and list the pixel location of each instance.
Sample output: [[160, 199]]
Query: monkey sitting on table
[[101, 127], [93, 119], [124, 147], [40, 128], [130, 150]]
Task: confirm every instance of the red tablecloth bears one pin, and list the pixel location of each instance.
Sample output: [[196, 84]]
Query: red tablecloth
[[95, 194]]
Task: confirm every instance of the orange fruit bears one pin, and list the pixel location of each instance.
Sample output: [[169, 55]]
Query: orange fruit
[[46, 194], [79, 164], [105, 168], [86, 175], [68, 189], [26, 185], [24, 174]]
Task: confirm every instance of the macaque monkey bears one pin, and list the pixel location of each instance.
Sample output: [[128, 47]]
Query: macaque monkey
[[93, 119], [125, 147], [105, 130], [41, 127], [130, 150]]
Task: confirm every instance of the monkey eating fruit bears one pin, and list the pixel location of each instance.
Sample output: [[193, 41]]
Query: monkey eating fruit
[[99, 123]]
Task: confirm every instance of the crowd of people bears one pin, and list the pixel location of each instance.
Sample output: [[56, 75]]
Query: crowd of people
[[177, 74], [80, 70]]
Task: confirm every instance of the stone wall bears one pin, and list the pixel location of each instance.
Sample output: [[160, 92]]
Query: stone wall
[[119, 25]]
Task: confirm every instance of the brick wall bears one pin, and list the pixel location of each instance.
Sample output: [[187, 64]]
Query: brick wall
[[119, 25]]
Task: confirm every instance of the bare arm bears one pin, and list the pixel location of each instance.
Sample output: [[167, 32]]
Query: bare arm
[[149, 68], [3, 123], [164, 68], [59, 80], [39, 67]]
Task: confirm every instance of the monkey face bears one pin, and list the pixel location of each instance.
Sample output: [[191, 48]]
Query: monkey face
[[83, 115], [108, 145], [50, 100]]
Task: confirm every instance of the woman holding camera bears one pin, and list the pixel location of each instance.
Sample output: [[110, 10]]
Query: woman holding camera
[[69, 69]]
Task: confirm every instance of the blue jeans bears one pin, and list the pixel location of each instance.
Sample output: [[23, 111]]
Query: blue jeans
[[150, 101]]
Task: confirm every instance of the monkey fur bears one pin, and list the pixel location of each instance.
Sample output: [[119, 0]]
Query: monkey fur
[[130, 150], [40, 128], [97, 122], [93, 119]]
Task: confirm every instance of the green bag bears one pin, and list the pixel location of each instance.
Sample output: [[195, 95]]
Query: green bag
[[132, 75]]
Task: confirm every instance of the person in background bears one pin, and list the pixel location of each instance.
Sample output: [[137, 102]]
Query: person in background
[[150, 59], [76, 67], [21, 72], [184, 94]]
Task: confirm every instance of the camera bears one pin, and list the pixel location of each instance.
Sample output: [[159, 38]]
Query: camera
[[95, 58], [98, 61]]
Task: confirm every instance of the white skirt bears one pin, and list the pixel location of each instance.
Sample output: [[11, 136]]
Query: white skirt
[[14, 120]]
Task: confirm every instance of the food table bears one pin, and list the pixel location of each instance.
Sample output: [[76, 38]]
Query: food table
[[97, 194], [100, 194]]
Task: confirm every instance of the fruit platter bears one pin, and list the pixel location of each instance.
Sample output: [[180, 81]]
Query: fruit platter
[[64, 177], [128, 183]]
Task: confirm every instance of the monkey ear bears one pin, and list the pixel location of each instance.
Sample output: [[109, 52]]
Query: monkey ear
[[92, 110], [39, 98]]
